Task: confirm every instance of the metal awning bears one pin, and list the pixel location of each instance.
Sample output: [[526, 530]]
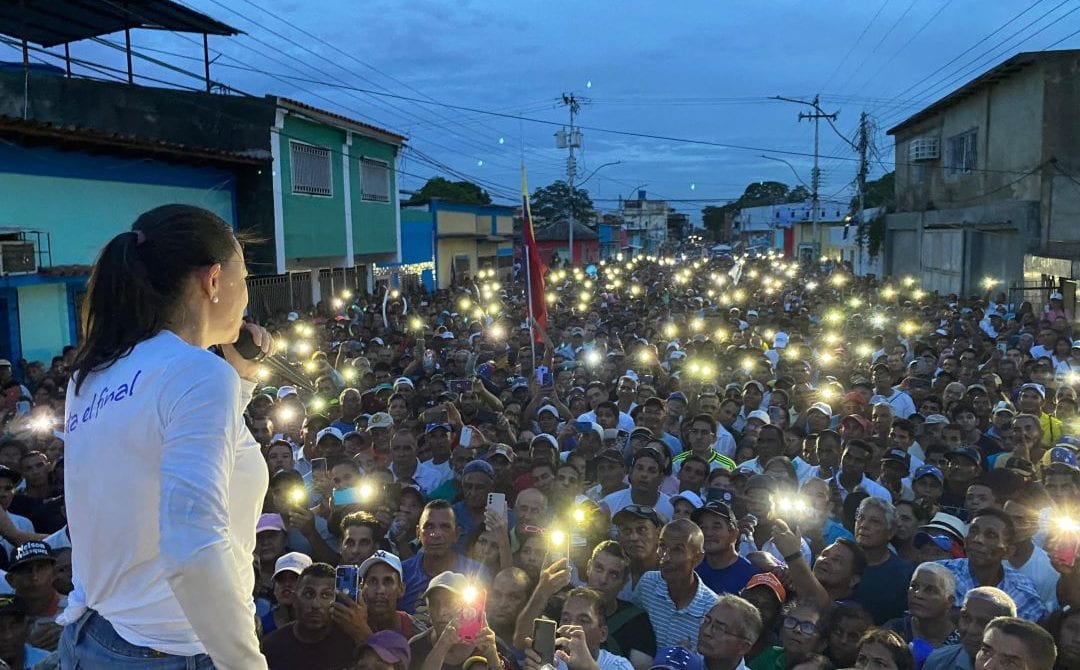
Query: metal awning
[[53, 22]]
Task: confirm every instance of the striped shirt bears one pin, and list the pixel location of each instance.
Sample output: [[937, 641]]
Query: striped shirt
[[1019, 587], [672, 626], [715, 460]]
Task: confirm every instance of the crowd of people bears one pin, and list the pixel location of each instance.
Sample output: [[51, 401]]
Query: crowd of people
[[684, 464]]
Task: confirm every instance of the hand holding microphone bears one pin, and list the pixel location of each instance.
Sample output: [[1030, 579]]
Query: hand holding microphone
[[252, 345]]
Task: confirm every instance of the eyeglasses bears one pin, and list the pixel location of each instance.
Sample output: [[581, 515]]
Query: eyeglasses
[[722, 629], [804, 627]]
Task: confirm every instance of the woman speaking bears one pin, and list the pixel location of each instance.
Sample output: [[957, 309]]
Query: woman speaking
[[163, 483]]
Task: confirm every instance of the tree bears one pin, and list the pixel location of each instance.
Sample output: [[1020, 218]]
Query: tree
[[553, 203], [712, 217], [756, 194], [462, 192]]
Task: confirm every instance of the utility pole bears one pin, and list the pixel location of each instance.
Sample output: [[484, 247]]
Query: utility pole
[[864, 168], [571, 141], [815, 178]]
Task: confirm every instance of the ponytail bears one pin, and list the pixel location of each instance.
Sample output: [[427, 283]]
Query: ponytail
[[138, 281]]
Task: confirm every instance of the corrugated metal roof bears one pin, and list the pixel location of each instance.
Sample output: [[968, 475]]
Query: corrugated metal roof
[[380, 133], [53, 22], [96, 139]]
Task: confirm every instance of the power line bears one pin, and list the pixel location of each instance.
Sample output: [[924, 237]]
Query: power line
[[855, 44], [878, 45], [951, 76]]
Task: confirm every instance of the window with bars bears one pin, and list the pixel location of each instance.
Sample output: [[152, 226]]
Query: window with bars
[[962, 153], [374, 180], [311, 172]]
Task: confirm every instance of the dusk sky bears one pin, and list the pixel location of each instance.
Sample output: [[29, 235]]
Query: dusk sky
[[681, 70]]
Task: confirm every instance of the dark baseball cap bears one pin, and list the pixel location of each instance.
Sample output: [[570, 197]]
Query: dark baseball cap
[[641, 512], [969, 453], [897, 455], [30, 552], [611, 454], [650, 452], [717, 507]]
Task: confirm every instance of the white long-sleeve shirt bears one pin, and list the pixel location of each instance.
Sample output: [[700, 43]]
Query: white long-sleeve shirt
[[164, 485]]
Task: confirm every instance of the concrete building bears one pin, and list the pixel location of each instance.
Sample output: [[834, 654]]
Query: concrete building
[[462, 239], [987, 182], [788, 227], [646, 224], [322, 202]]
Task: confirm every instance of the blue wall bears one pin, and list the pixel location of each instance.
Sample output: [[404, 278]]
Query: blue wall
[[82, 200]]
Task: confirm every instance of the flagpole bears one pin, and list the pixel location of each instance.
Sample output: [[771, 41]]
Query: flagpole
[[528, 265]]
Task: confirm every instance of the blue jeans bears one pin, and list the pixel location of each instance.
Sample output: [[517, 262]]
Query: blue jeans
[[91, 643]]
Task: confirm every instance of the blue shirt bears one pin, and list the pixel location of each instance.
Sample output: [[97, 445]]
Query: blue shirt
[[466, 524], [731, 579], [416, 580], [672, 626], [883, 589], [1019, 587]]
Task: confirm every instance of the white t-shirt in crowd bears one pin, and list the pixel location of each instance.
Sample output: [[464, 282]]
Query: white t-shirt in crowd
[[620, 499], [164, 485], [1040, 571]]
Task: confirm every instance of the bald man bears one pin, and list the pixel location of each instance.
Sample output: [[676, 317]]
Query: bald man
[[674, 597]]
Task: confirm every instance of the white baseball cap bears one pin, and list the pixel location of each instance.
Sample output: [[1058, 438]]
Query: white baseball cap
[[381, 556], [761, 415], [294, 561], [690, 497], [331, 432]]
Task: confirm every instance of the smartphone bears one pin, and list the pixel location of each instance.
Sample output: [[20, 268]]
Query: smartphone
[[775, 415], [1002, 347], [544, 376], [544, 640], [354, 495], [472, 614], [622, 439], [22, 408], [496, 502], [1066, 548], [460, 386], [583, 426], [348, 581], [465, 439], [437, 416], [318, 465]]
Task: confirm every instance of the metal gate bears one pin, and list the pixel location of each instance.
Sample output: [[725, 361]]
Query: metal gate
[[273, 296]]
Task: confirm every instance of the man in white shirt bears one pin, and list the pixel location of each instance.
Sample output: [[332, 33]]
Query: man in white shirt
[[405, 465], [902, 404], [597, 393], [646, 475], [852, 473]]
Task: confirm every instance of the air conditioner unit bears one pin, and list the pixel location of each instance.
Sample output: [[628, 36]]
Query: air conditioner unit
[[924, 149], [18, 258]]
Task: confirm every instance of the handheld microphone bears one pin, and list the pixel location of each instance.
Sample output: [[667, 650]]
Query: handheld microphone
[[246, 347]]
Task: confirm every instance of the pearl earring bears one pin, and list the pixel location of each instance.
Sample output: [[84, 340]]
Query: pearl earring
[[214, 299]]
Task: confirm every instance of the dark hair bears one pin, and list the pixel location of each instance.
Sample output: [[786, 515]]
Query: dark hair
[[319, 571], [1036, 640], [593, 597], [893, 643], [139, 279], [1010, 525], [858, 556], [611, 548], [704, 418], [364, 519]]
